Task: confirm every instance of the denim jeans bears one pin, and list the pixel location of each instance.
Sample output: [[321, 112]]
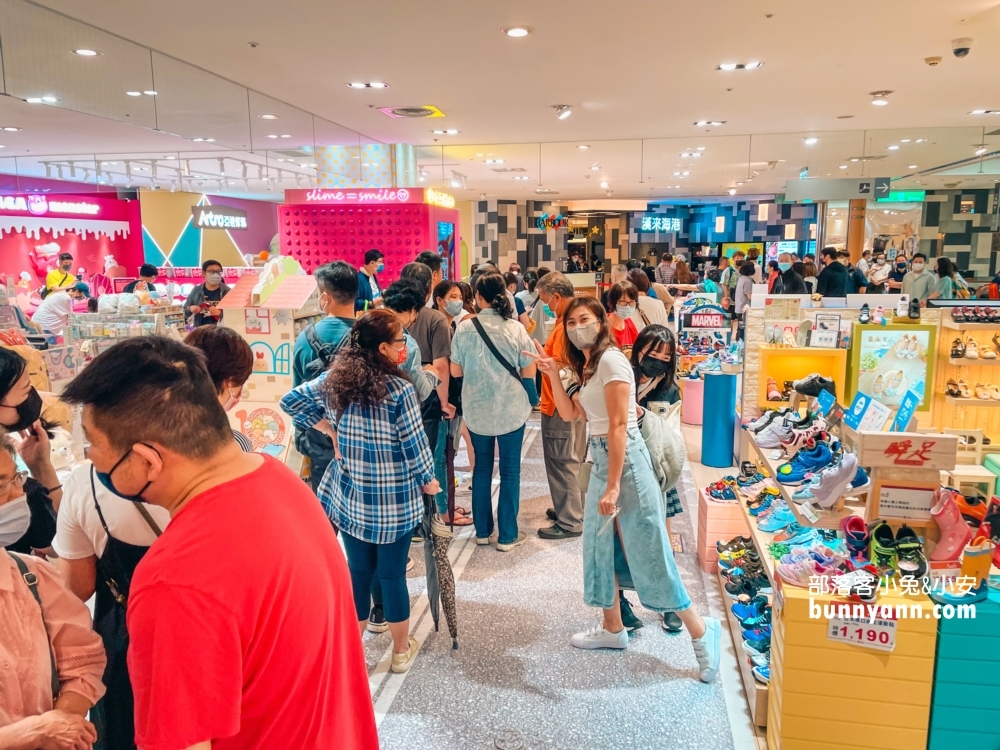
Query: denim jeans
[[441, 468], [387, 563], [510, 484]]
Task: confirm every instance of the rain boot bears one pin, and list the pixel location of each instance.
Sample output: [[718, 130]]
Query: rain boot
[[955, 533]]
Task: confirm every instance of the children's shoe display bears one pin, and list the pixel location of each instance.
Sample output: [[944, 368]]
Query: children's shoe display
[[776, 521], [976, 562], [955, 533], [865, 316], [756, 648], [803, 463], [762, 674], [834, 481], [860, 480], [736, 543], [973, 509], [753, 608], [856, 536]]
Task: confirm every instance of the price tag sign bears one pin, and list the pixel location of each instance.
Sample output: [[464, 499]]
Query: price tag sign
[[858, 631]]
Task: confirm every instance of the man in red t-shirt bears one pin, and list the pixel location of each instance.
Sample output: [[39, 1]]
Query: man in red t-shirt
[[241, 620], [564, 444]]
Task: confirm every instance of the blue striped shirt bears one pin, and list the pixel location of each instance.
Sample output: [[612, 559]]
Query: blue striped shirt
[[374, 492]]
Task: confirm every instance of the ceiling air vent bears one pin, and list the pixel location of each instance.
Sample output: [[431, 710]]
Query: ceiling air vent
[[511, 169], [412, 113], [868, 158]]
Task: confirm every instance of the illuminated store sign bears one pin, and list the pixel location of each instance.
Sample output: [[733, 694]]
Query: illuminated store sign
[[40, 205], [548, 221], [435, 198], [660, 224], [218, 217], [380, 196]]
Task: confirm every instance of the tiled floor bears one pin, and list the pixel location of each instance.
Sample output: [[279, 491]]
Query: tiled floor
[[515, 681]]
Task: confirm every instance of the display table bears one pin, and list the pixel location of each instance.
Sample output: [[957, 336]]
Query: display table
[[692, 400]]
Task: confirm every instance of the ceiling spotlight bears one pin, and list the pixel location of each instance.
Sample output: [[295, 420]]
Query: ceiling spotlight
[[272, 135], [726, 66], [739, 184], [49, 99], [880, 98], [810, 141], [268, 117], [855, 159], [732, 191], [583, 147], [595, 168], [563, 111], [494, 161], [370, 85], [517, 31], [604, 184], [921, 140], [33, 100], [133, 93], [753, 65], [904, 140], [357, 85], [451, 131], [11, 129], [894, 147], [701, 148], [197, 140], [378, 85], [285, 135], [843, 166], [149, 92], [912, 166], [980, 149], [713, 123], [86, 52]]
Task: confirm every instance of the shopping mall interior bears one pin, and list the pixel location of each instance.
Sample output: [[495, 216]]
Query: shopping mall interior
[[787, 219]]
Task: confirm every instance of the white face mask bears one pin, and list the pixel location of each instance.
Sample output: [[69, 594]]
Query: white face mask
[[232, 400], [918, 267], [15, 517]]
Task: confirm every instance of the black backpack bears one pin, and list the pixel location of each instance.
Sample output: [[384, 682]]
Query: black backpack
[[311, 443]]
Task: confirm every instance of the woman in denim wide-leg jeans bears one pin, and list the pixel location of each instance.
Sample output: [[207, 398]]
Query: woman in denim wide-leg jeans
[[625, 540], [495, 405]]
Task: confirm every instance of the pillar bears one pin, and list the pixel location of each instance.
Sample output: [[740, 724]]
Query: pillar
[[857, 212]]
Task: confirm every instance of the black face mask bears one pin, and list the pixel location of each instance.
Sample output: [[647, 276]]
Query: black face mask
[[28, 412], [652, 367]]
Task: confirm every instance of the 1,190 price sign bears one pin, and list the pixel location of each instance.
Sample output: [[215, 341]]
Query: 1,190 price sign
[[859, 631]]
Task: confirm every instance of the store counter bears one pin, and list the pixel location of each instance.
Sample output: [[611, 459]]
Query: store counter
[[584, 284]]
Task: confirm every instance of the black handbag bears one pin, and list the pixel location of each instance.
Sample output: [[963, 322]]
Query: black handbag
[[527, 383]]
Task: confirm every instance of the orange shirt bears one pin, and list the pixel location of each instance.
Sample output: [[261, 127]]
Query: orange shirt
[[555, 347]]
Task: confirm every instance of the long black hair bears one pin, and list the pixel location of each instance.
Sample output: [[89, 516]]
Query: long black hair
[[651, 339], [585, 370], [492, 288], [12, 367]]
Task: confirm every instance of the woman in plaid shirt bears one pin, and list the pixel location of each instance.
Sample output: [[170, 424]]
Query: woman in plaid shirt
[[373, 489]]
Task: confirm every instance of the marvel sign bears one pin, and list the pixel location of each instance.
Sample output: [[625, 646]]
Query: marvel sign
[[705, 320]]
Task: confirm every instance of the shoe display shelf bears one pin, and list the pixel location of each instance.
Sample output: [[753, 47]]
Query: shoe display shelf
[[966, 709], [717, 522], [952, 411], [756, 692], [790, 363], [951, 325]]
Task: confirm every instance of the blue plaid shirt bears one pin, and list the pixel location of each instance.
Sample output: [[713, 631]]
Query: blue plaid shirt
[[374, 492]]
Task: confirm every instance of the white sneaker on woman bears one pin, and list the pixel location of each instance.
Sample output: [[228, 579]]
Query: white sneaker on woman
[[707, 650], [601, 638]]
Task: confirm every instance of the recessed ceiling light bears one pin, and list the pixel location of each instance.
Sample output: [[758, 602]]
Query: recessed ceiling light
[[268, 117], [810, 141], [701, 148], [985, 112], [86, 52], [33, 100], [921, 140], [912, 166], [739, 66], [739, 184], [894, 147], [904, 140], [714, 123], [451, 131], [378, 85], [583, 147], [285, 135], [981, 150], [272, 135], [594, 168], [357, 85], [369, 85], [134, 93], [604, 184], [726, 66], [843, 166], [11, 129], [753, 65], [563, 111], [880, 98], [855, 159], [517, 31], [732, 191], [677, 174]]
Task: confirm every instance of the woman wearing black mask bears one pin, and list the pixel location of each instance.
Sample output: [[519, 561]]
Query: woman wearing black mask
[[20, 409]]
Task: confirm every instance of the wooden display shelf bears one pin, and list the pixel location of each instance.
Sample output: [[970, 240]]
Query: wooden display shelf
[[793, 363], [966, 362], [756, 692], [957, 401], [828, 519], [951, 325]]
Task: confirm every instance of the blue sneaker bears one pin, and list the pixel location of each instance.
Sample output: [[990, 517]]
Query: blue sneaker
[[776, 521], [758, 635], [753, 608], [805, 462], [768, 499], [860, 479], [762, 673]]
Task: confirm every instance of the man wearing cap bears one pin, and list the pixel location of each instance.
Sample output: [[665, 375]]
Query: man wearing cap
[[53, 313]]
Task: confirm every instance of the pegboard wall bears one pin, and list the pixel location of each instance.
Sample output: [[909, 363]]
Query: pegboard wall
[[316, 235]]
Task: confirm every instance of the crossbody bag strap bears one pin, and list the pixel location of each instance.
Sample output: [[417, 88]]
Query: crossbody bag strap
[[147, 518], [642, 315], [32, 581], [489, 345]]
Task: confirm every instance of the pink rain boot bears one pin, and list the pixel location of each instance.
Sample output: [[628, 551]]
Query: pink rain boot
[[955, 534]]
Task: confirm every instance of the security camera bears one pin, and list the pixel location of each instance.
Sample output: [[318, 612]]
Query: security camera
[[933, 61], [961, 47]]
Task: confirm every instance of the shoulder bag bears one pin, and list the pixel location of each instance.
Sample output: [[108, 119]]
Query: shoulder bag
[[528, 383], [32, 582]]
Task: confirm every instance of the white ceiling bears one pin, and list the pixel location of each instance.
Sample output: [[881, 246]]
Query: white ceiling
[[637, 74]]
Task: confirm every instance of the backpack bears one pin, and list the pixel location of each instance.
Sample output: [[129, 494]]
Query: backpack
[[311, 443]]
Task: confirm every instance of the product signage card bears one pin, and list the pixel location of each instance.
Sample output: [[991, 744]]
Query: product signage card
[[905, 502], [860, 631], [852, 417], [875, 416], [907, 406], [825, 400], [782, 308]]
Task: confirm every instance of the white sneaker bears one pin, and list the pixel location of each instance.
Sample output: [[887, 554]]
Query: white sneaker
[[707, 650], [482, 541], [522, 537], [834, 481], [600, 638]]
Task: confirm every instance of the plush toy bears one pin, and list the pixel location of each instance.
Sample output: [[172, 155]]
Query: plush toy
[[43, 258]]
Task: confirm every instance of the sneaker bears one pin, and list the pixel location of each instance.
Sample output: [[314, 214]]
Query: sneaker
[[629, 620], [882, 548], [776, 521], [482, 541], [736, 543], [856, 535], [803, 463], [814, 384], [402, 662], [763, 503], [521, 539], [672, 622], [708, 649], [758, 622], [600, 638], [416, 539], [756, 648], [772, 435], [860, 479], [804, 492], [834, 481], [555, 531], [798, 574], [750, 557], [376, 621], [910, 560], [752, 608], [805, 439], [762, 674], [758, 635], [761, 660]]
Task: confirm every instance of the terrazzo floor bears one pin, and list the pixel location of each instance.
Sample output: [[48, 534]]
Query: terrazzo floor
[[515, 682]]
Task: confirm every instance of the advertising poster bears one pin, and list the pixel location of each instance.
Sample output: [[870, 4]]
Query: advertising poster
[[888, 361]]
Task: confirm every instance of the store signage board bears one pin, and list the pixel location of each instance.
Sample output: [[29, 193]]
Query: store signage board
[[905, 502], [907, 406], [660, 224], [782, 308], [380, 196], [218, 217], [870, 188], [861, 631], [42, 205], [706, 317], [908, 450], [825, 399]]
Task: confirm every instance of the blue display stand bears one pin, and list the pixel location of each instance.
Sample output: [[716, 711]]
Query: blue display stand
[[718, 420]]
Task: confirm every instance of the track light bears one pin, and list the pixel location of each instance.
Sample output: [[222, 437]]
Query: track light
[[732, 191]]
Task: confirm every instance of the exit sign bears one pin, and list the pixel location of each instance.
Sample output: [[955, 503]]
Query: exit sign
[[903, 196]]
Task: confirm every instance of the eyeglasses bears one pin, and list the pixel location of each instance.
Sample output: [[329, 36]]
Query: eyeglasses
[[17, 479]]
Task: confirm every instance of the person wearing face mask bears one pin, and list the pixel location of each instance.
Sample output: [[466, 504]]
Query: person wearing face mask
[[920, 282], [201, 305], [878, 274], [240, 524], [60, 278], [230, 363], [52, 659], [789, 282], [53, 314], [374, 491], [623, 299], [834, 280], [894, 282], [369, 293], [488, 353], [625, 540]]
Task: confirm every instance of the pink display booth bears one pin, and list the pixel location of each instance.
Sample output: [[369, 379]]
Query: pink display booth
[[320, 225]]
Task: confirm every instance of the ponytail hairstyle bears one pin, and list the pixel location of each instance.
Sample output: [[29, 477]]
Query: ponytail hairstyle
[[359, 373], [530, 281], [468, 298], [492, 288]]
